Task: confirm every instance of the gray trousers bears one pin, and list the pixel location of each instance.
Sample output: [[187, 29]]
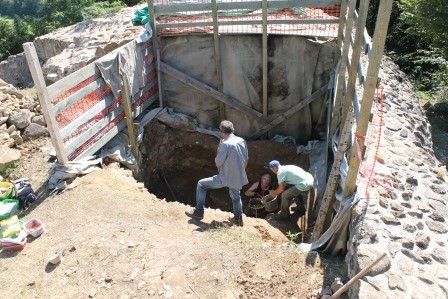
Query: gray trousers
[[293, 193]]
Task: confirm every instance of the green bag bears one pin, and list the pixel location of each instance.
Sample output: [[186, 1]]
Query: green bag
[[8, 208], [141, 17], [6, 190]]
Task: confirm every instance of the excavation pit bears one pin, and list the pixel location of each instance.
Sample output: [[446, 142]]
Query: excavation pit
[[174, 160]]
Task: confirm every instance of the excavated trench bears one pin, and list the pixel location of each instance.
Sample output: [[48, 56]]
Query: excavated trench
[[174, 160]]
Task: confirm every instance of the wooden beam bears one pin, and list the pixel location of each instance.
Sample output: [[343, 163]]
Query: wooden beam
[[303, 103], [247, 22], [218, 66], [57, 88], [265, 56], [126, 98], [356, 54], [336, 120], [248, 5], [326, 207], [44, 100], [342, 13], [379, 39], [155, 45], [231, 101]]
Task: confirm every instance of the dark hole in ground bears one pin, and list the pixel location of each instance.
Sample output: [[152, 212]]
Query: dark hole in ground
[[174, 160]]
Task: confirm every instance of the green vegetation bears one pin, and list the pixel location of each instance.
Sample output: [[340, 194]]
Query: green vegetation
[[22, 20], [418, 42]]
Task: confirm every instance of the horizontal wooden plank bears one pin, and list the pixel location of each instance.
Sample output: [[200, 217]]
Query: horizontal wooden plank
[[190, 81], [71, 80], [145, 88], [247, 22], [70, 128], [145, 105], [83, 137], [279, 119], [304, 21], [243, 5], [72, 99], [182, 25], [147, 51], [105, 139], [187, 7], [302, 3]]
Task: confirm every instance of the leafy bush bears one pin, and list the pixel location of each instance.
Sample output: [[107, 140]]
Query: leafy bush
[[101, 8]]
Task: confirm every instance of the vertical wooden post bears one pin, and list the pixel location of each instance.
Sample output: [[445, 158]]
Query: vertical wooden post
[[326, 207], [379, 39], [265, 56], [155, 47], [126, 98], [342, 13], [218, 64], [356, 53], [45, 101], [335, 120]]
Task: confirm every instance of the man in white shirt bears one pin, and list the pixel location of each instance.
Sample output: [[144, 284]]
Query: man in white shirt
[[302, 182], [231, 161]]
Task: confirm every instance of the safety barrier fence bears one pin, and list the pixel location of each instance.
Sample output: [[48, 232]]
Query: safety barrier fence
[[81, 111], [292, 17]]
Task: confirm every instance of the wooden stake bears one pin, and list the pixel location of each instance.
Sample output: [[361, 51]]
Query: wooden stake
[[44, 100], [125, 96], [355, 278], [156, 48], [265, 56]]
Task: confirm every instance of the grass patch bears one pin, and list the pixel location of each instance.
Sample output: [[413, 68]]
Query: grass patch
[[10, 170], [239, 237]]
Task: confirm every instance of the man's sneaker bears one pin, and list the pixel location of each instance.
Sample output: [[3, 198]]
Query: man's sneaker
[[195, 214], [237, 222]]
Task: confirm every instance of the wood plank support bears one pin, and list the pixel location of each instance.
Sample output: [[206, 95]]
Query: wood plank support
[[336, 120], [126, 98], [218, 65], [44, 100], [265, 56], [342, 13], [379, 39], [278, 120], [190, 81], [326, 207], [156, 48], [356, 54]]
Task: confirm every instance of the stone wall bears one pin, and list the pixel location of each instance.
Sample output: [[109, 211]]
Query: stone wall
[[407, 220]]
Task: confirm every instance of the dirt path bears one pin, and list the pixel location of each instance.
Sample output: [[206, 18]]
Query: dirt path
[[122, 242]]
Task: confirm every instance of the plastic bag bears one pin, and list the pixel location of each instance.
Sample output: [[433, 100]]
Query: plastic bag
[[141, 17], [24, 192], [10, 228]]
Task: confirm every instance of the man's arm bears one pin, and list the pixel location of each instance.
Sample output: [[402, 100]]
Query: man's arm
[[221, 155], [280, 189], [251, 191]]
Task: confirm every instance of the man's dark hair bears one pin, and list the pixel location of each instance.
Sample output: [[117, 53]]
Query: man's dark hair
[[226, 127]]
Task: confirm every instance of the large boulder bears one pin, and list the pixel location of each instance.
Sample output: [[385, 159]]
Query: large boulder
[[21, 120], [34, 131]]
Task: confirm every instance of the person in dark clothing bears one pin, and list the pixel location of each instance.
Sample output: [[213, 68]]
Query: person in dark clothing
[[261, 188]]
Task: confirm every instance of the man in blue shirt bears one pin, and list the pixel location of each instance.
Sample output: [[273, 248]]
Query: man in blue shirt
[[231, 161], [302, 182]]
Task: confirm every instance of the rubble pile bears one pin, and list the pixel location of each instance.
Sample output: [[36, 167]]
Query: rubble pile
[[21, 116]]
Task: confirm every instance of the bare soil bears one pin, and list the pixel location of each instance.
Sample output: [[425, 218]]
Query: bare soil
[[121, 241]]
